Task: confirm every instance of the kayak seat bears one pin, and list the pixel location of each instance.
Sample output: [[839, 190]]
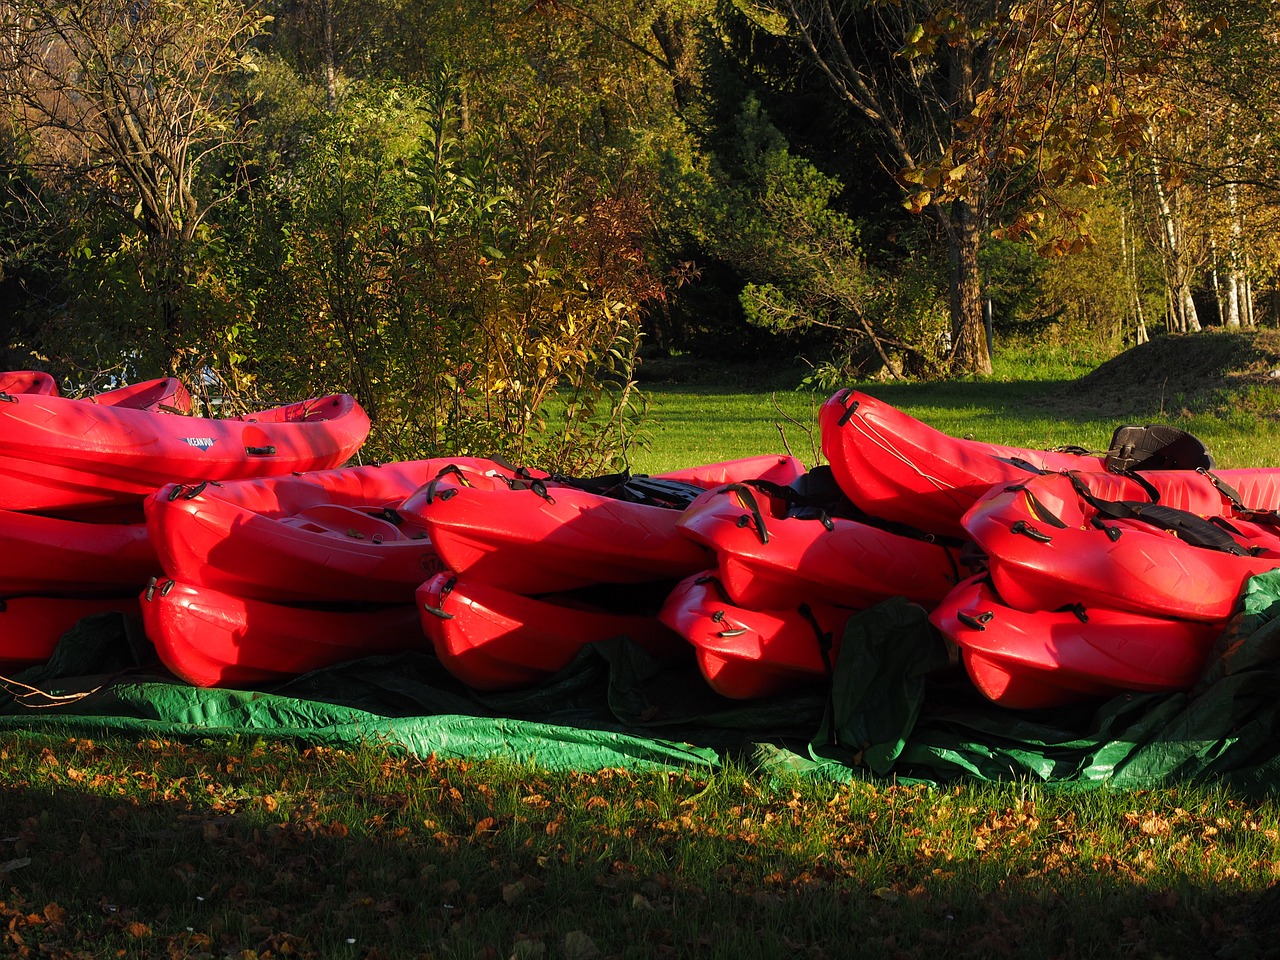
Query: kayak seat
[[344, 521]]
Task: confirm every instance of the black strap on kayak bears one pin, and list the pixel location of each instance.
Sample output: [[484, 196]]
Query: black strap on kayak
[[1076, 609], [1187, 526], [1242, 509], [1156, 446], [1023, 464], [659, 492], [638, 488], [825, 640], [607, 485], [1044, 513]]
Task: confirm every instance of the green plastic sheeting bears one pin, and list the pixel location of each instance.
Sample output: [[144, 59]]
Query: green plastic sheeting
[[898, 706]]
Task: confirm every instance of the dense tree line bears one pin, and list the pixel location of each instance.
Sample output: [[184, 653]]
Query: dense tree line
[[472, 215]]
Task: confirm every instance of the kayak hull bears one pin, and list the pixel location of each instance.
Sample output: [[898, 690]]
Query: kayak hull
[[768, 559], [746, 653], [1048, 546], [1028, 660], [212, 639], [493, 639], [30, 627]]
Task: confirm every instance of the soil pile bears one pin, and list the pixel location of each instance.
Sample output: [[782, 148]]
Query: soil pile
[[1185, 373]]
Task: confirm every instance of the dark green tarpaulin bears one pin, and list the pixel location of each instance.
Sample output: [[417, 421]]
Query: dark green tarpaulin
[[898, 706]]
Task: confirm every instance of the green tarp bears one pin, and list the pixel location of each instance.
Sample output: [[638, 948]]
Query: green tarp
[[898, 706]]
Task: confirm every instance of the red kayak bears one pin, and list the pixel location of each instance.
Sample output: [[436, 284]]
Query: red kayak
[[165, 395], [771, 468], [55, 556], [325, 535], [30, 627], [57, 453], [1166, 544], [493, 639], [770, 557], [746, 653], [543, 536], [1027, 660], [209, 638], [28, 381], [897, 468]]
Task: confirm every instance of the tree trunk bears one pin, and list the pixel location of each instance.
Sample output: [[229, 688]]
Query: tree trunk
[[968, 329]]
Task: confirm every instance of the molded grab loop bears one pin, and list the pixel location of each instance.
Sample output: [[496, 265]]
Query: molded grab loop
[[749, 501], [1027, 530], [849, 411], [444, 592]]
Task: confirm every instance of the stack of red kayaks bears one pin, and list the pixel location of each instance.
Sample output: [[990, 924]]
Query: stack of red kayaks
[[56, 570], [507, 541], [1099, 582], [792, 564], [327, 535], [74, 474], [771, 555], [257, 559], [1089, 574]]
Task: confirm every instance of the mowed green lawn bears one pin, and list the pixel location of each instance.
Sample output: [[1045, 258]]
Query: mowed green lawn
[[695, 424]]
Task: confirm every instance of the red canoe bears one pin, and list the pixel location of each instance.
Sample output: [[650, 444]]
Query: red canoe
[[897, 468], [769, 558], [209, 638], [1044, 659], [30, 627], [326, 535], [746, 653], [493, 639], [57, 453], [1100, 540]]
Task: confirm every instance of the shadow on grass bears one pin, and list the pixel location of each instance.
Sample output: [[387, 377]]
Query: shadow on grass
[[204, 863]]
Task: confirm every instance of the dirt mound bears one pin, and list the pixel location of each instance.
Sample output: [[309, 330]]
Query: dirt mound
[[1177, 373]]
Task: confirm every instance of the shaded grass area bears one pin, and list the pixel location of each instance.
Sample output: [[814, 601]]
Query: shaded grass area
[[247, 849]]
